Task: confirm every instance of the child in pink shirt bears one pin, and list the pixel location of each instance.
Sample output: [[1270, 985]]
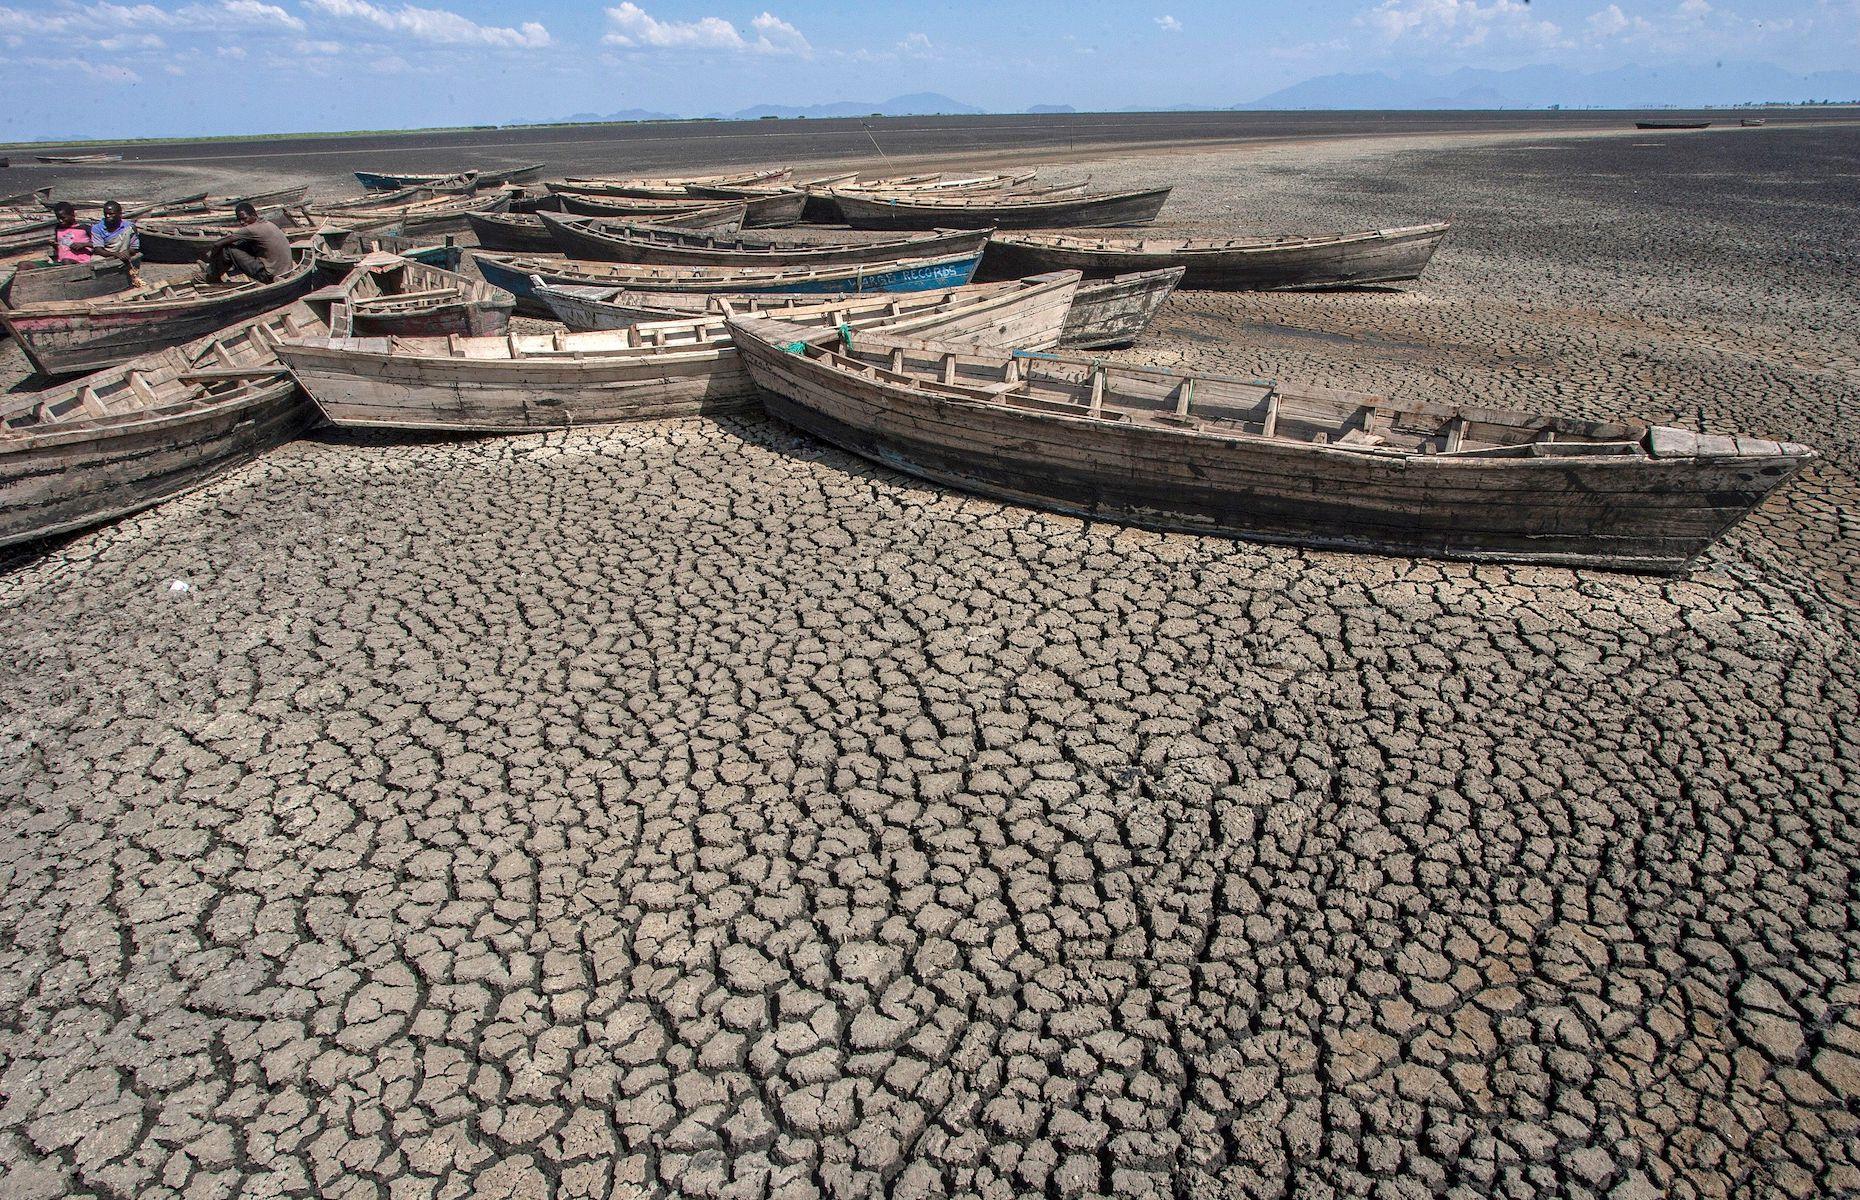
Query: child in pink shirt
[[70, 241]]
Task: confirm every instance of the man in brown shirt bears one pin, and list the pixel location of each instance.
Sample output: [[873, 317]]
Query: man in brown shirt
[[257, 249]]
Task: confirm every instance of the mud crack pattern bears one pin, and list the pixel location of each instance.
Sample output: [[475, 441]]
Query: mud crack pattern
[[694, 810]]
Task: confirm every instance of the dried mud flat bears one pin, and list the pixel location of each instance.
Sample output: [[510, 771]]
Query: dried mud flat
[[693, 809]]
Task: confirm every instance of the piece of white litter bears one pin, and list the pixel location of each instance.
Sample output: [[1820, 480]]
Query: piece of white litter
[[179, 585]]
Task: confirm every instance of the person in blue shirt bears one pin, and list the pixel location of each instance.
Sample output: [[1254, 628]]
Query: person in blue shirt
[[114, 237]]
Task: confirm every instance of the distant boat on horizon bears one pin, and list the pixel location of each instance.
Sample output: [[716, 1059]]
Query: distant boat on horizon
[[1672, 124]]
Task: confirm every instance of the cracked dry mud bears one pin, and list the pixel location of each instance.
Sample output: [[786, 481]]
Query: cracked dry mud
[[693, 809]]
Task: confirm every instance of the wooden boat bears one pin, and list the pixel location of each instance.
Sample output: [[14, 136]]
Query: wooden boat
[[48, 283], [1106, 313], [823, 209], [422, 218], [1323, 261], [1753, 122], [452, 185], [35, 199], [518, 276], [381, 181], [68, 337], [725, 211], [763, 207], [1115, 312], [587, 309], [606, 241], [390, 296], [1672, 124], [679, 368], [985, 212], [662, 189], [339, 251], [523, 233], [79, 160], [1265, 460], [133, 436], [175, 242], [288, 197]]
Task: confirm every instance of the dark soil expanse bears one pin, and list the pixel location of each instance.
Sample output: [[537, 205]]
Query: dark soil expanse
[[693, 809]]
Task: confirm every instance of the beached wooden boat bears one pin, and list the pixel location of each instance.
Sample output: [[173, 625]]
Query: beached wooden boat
[[1267, 460], [611, 241], [79, 160], [680, 368], [518, 276], [1116, 311], [386, 182], [1672, 124], [1326, 260], [422, 218], [763, 207], [521, 233], [36, 199], [662, 189], [1001, 212], [339, 251], [725, 211], [822, 209], [176, 242], [67, 337], [389, 296], [1753, 122], [1105, 313], [32, 231], [48, 283], [277, 197], [133, 436]]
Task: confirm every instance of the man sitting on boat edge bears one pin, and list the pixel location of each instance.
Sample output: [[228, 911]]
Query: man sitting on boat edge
[[114, 237], [257, 249]]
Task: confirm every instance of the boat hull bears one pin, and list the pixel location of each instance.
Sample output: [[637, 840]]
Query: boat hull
[[760, 212], [1134, 208], [1616, 514], [1115, 312], [1356, 261], [60, 343], [48, 284], [356, 383], [510, 231], [951, 272], [678, 252]]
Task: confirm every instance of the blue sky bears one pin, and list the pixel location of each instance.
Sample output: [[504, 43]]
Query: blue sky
[[242, 66]]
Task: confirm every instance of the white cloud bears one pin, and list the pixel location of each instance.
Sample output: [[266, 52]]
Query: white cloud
[[1169, 24], [101, 72], [917, 45], [631, 25], [434, 24], [1611, 22], [1461, 22], [1695, 9]]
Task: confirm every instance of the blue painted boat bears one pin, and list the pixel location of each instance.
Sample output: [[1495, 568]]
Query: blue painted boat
[[516, 274]]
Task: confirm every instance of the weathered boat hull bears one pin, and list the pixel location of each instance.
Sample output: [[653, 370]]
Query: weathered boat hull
[[1354, 260], [918, 275], [516, 232], [360, 382], [776, 211], [67, 343], [1639, 515], [1672, 124], [1115, 312], [79, 160], [41, 283], [67, 479], [720, 212], [714, 251], [1128, 208]]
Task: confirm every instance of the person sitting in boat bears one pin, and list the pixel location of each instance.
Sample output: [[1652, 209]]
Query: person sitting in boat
[[257, 249], [114, 237], [70, 240]]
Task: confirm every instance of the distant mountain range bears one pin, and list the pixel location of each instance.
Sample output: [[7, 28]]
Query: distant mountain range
[[1469, 87], [1541, 87], [918, 104]]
